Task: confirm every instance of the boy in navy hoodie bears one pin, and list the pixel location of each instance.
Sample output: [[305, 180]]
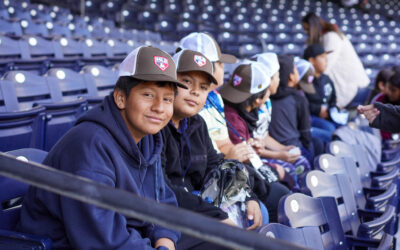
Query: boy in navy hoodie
[[117, 144]]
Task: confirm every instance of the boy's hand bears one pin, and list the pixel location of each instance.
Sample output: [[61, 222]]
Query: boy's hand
[[254, 214], [369, 111], [165, 242], [288, 157], [323, 113], [240, 152], [257, 144]]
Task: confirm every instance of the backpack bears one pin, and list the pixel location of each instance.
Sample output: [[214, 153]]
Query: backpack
[[227, 186]]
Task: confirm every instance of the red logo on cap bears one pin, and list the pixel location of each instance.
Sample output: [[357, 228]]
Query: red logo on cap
[[161, 62], [237, 80], [200, 60]]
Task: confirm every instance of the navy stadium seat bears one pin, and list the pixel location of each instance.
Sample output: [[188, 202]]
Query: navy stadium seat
[[60, 114], [305, 236], [104, 78], [18, 128], [298, 210], [366, 197], [338, 186], [10, 207]]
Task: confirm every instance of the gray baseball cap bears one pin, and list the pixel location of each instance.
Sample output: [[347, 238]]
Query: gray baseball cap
[[246, 80], [149, 64], [189, 60]]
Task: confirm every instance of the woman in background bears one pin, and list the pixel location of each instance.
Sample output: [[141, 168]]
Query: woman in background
[[344, 66]]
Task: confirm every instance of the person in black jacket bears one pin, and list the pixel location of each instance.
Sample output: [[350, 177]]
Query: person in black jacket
[[188, 153], [290, 121], [382, 116], [324, 97]]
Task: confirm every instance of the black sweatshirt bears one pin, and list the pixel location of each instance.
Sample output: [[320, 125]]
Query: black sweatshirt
[[388, 119], [325, 94], [290, 120], [188, 155]]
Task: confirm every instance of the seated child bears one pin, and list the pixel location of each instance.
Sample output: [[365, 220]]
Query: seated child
[[324, 98], [117, 144], [272, 150], [392, 96], [188, 154], [290, 122], [380, 88]]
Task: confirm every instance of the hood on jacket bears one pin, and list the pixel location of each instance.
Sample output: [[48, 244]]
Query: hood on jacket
[[108, 115]]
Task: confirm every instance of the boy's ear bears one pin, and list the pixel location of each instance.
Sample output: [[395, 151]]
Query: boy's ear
[[119, 99]]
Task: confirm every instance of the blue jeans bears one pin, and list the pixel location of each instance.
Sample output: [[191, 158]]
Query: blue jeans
[[321, 128]]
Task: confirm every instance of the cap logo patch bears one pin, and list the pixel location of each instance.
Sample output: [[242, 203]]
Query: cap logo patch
[[161, 62], [200, 60], [237, 80]]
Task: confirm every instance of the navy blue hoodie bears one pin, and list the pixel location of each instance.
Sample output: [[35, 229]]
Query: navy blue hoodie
[[101, 148]]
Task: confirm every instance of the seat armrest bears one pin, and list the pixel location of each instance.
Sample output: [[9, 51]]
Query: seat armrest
[[372, 228]]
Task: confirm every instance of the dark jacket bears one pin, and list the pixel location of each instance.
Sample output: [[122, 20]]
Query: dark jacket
[[324, 94], [290, 120], [187, 157], [388, 119], [101, 148]]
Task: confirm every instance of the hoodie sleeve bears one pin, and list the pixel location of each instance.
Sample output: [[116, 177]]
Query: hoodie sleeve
[[388, 119], [167, 197], [303, 120], [101, 228]]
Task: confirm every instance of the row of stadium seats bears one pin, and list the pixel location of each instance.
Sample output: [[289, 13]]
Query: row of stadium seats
[[37, 110]]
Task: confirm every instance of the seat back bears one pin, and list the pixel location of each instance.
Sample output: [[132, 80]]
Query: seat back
[[343, 165], [72, 84], [338, 186], [306, 236], [11, 199], [299, 210], [104, 78], [342, 149], [13, 49], [31, 88]]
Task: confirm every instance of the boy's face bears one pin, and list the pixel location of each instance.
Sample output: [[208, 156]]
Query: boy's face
[[261, 101], [219, 73], [148, 108], [393, 93], [294, 78], [319, 62], [274, 83], [190, 101]]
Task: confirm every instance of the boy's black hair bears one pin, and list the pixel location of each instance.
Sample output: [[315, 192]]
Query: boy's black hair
[[126, 83], [395, 79]]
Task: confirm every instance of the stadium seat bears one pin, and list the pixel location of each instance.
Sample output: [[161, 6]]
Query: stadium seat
[[299, 210], [10, 28], [18, 128], [338, 186], [39, 47], [249, 50], [104, 78], [366, 197], [10, 207], [60, 113], [305, 236]]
